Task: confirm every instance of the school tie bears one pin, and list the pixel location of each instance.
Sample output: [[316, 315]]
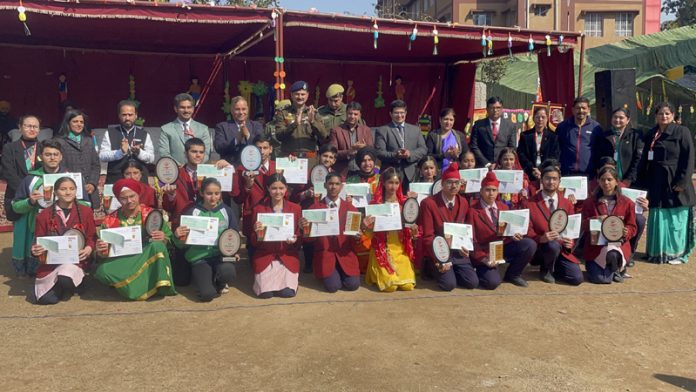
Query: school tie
[[494, 128], [332, 205], [450, 205], [187, 131], [552, 207], [194, 182], [494, 215]]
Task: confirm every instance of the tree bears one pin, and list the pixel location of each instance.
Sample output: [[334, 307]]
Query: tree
[[493, 70], [684, 10]]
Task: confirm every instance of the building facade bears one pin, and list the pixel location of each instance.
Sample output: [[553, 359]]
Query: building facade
[[602, 21]]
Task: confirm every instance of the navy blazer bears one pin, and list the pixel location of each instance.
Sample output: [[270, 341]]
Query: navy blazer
[[481, 143], [226, 143]]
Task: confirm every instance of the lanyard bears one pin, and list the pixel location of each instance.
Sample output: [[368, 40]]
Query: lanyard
[[61, 215], [657, 136], [32, 157]]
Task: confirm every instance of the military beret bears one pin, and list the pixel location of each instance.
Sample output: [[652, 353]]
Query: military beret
[[334, 90], [299, 85]]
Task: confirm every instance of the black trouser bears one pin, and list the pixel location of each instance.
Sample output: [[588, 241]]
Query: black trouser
[[211, 276], [181, 269], [63, 290]]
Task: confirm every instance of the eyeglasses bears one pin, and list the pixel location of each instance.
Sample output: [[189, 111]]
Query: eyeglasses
[[30, 126], [452, 182]]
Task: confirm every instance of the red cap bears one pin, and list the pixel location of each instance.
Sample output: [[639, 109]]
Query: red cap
[[490, 180], [126, 183], [452, 172]]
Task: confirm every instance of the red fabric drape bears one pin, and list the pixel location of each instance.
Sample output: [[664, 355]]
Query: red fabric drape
[[557, 76], [462, 92]]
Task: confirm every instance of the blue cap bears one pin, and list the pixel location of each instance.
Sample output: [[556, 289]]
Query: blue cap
[[299, 85]]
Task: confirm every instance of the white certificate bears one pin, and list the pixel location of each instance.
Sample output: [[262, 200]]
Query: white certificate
[[511, 181], [278, 227], [634, 194], [575, 186], [61, 250], [596, 225], [517, 222], [295, 172], [462, 235], [323, 222], [357, 189], [204, 230], [473, 178], [50, 180], [224, 175], [387, 216], [109, 190], [124, 240], [572, 230]]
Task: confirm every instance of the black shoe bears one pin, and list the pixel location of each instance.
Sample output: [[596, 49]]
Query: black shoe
[[631, 263], [548, 277], [617, 277], [517, 281]]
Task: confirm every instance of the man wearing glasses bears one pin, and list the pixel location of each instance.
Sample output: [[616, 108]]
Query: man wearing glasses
[[492, 134]]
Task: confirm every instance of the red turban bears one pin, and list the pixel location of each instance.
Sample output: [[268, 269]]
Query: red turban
[[490, 180], [126, 183], [452, 172]]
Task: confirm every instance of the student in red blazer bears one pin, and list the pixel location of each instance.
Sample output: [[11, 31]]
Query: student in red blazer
[[335, 262], [518, 250], [605, 263], [184, 192], [554, 254], [276, 264], [447, 206]]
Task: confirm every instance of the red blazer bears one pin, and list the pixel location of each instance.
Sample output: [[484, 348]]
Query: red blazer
[[340, 137], [434, 213], [298, 189], [50, 224], [148, 196], [539, 215], [484, 230], [624, 208], [184, 197], [266, 252], [329, 250], [249, 198]]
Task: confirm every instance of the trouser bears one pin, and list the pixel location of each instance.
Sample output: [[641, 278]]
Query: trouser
[[63, 290], [211, 276], [599, 275], [338, 279], [640, 223], [518, 254], [550, 256], [181, 269], [308, 250], [461, 274], [236, 209]]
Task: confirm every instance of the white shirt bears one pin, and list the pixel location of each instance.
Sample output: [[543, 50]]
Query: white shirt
[[554, 197], [497, 124], [453, 201], [107, 154], [329, 201]]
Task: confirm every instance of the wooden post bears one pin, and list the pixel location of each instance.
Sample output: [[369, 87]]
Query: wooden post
[[582, 63]]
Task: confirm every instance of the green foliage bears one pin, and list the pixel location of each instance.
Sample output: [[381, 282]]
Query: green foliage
[[494, 70], [684, 10]]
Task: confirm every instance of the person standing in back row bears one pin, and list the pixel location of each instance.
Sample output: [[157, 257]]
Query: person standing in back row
[[181, 129], [492, 134], [577, 136]]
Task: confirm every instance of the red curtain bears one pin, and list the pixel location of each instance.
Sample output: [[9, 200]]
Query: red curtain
[[461, 95], [557, 76]]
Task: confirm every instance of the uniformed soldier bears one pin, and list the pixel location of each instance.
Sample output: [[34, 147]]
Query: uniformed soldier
[[333, 113], [298, 127]]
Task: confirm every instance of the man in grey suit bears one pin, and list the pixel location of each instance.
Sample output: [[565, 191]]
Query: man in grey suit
[[183, 128], [231, 136], [492, 134], [399, 144]]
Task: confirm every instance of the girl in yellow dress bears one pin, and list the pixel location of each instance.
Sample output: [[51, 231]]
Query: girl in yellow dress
[[390, 266]]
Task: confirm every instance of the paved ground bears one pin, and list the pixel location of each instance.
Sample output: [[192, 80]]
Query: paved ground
[[636, 336]]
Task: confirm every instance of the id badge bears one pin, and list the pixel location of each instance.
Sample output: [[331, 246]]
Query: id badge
[[650, 155], [616, 156]]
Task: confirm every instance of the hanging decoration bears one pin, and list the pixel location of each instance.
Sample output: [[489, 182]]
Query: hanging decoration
[[23, 18], [561, 47], [379, 101], [245, 88], [489, 43], [436, 40], [226, 103], [509, 45], [639, 103], [350, 92], [680, 109], [375, 34], [413, 36], [259, 90], [548, 45], [317, 94], [131, 96], [484, 44], [650, 102], [62, 88], [531, 45], [195, 90], [274, 16]]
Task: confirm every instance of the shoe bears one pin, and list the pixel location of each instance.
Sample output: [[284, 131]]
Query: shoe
[[631, 262], [224, 289], [517, 281], [547, 277], [617, 277]]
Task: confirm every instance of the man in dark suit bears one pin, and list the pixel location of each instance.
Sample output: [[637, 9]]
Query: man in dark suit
[[231, 136], [492, 134], [399, 144], [348, 138], [18, 158]]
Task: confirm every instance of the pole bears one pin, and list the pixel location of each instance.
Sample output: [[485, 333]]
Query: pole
[[582, 63]]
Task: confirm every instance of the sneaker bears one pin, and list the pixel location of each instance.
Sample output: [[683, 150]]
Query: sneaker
[[517, 281], [224, 290], [547, 277], [617, 277]]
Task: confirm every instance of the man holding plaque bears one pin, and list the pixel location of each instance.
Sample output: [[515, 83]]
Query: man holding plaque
[[517, 250], [554, 253], [183, 128], [447, 206], [335, 262]]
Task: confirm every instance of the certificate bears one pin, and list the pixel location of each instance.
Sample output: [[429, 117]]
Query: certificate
[[277, 227], [203, 230], [50, 180], [353, 221], [596, 236], [319, 188], [109, 190], [511, 181], [387, 216], [575, 186], [224, 175], [634, 194], [473, 178], [516, 222], [124, 240], [420, 187], [462, 235], [495, 252], [295, 172], [572, 230], [323, 222], [359, 192], [61, 250]]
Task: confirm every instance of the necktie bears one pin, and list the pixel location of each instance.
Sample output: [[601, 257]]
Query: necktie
[[450, 205], [187, 131], [401, 134], [552, 207], [262, 169], [194, 181], [494, 128], [332, 205], [494, 215]]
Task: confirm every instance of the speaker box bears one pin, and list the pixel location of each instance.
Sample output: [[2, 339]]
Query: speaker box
[[615, 88]]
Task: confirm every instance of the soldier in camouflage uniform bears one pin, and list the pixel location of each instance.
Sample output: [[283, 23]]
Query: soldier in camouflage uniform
[[298, 127]]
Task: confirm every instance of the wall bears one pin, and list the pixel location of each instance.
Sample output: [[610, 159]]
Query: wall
[[608, 8]]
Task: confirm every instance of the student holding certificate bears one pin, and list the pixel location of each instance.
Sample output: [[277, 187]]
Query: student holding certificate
[[141, 275], [366, 158], [606, 260], [507, 160], [390, 266], [554, 253], [276, 264], [31, 197], [467, 161], [57, 282], [210, 275], [335, 262], [517, 250], [447, 206]]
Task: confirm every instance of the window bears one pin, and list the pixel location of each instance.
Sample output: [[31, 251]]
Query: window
[[541, 9], [594, 24], [483, 18], [624, 24]]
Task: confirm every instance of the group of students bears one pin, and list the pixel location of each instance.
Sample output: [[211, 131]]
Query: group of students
[[390, 260]]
